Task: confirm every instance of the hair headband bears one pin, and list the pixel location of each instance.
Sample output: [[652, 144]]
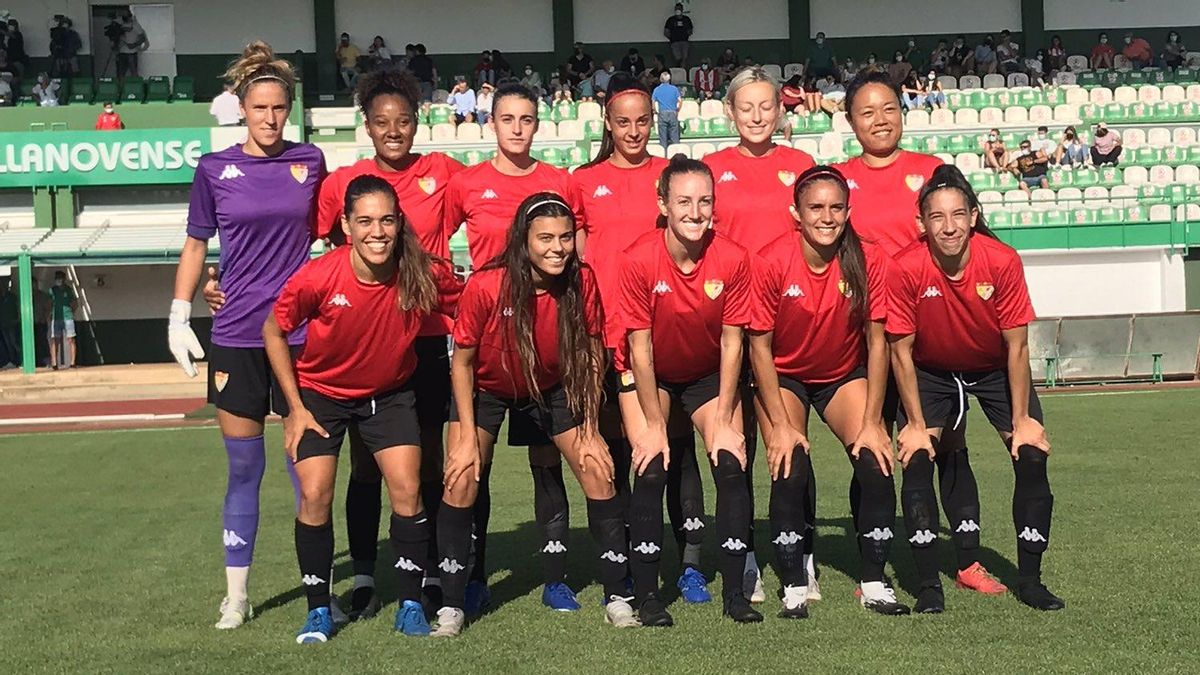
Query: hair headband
[[544, 202], [260, 78], [619, 94]]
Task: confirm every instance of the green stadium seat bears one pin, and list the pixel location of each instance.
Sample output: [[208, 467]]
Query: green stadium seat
[[932, 144], [851, 147], [551, 156], [440, 114], [1029, 97], [956, 100], [1054, 96], [566, 111], [910, 143], [1088, 79], [1091, 113], [1147, 156], [1165, 110], [1003, 98], [693, 126], [982, 180], [1150, 193], [1059, 178], [595, 128], [107, 90], [576, 156], [456, 155], [472, 157], [1109, 215], [1143, 112], [25, 97], [133, 90], [158, 88], [82, 90], [1083, 216], [1006, 181], [959, 144], [1111, 176], [1000, 218], [718, 126], [1186, 76], [819, 124], [1114, 112], [1028, 218], [1086, 178], [1187, 111], [1112, 78], [1174, 155], [1057, 217], [979, 99], [183, 88], [1135, 78], [1160, 77]]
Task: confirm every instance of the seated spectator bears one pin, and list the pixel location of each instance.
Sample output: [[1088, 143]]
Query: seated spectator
[[652, 74], [939, 58], [748, 62], [1071, 152], [995, 155], [1043, 143], [821, 61], [1102, 54], [484, 70], [582, 65], [1174, 52], [410, 50], [812, 95], [1137, 50], [833, 95], [109, 120], [462, 97], [727, 65], [899, 69], [380, 54], [791, 94], [1008, 54], [935, 95], [600, 80], [911, 52], [1037, 68], [560, 85], [1056, 56], [15, 46], [985, 57], [483, 103], [873, 65], [912, 91], [45, 92], [8, 67], [347, 57], [501, 66], [533, 81], [1106, 146], [705, 81], [1030, 167], [962, 57], [633, 63], [848, 71], [6, 91]]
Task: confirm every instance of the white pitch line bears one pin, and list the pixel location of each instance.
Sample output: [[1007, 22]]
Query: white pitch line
[[75, 419], [1100, 393]]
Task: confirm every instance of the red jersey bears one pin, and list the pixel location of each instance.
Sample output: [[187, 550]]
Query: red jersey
[[359, 342], [753, 193], [486, 321], [618, 206], [487, 200], [685, 312], [883, 202], [958, 322], [421, 188], [816, 337], [109, 122]]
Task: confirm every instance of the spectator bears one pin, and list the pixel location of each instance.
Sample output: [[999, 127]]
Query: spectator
[[791, 94], [581, 64], [995, 155], [939, 58], [45, 92], [962, 57], [1174, 52], [483, 103], [749, 62], [1038, 68], [410, 50], [347, 57], [423, 69], [633, 63], [1102, 54], [15, 47], [1106, 146], [133, 43], [667, 99], [657, 67], [63, 305], [678, 31], [1071, 151], [910, 51], [65, 44], [462, 97], [109, 120], [503, 69], [912, 91], [727, 64], [561, 84], [821, 61], [848, 71], [1056, 56], [7, 67], [1042, 142], [380, 54], [812, 97], [600, 80], [705, 81], [873, 65], [484, 70], [1030, 167], [833, 95], [41, 321], [1008, 54], [899, 69], [10, 323], [985, 57], [533, 81], [6, 92], [1138, 51], [226, 108], [935, 95]]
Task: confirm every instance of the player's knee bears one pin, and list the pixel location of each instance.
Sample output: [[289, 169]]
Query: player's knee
[[918, 475], [655, 476], [870, 477], [315, 503], [405, 495], [596, 486], [462, 494], [728, 472], [1032, 480]]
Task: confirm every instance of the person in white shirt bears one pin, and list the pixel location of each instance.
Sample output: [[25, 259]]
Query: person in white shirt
[[226, 108], [483, 103], [45, 92], [1043, 143]]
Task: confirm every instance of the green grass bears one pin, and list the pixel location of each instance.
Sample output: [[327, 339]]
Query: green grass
[[111, 560]]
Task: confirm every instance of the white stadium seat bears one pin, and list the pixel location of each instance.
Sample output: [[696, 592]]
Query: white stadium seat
[[1174, 93], [444, 133], [966, 117], [423, 134], [1069, 197], [1159, 137], [1067, 113], [679, 149], [993, 81], [1124, 195], [700, 150], [656, 150], [970, 82], [830, 145], [712, 108], [1100, 95], [1133, 138], [1149, 93], [1160, 213], [967, 161], [489, 133], [1018, 80], [469, 131], [1121, 62], [1188, 174], [948, 82], [1042, 199], [1193, 92], [590, 110], [679, 76], [1161, 174], [941, 118], [946, 157], [1095, 193], [1136, 175], [990, 197], [1015, 114], [1125, 95], [1077, 62], [917, 119], [725, 145], [1077, 95], [1065, 78], [991, 116], [790, 69], [773, 70], [1041, 114], [570, 130], [840, 123], [687, 110], [1016, 197], [809, 145], [546, 131]]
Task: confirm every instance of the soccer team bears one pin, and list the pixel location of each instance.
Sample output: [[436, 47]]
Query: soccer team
[[609, 308]]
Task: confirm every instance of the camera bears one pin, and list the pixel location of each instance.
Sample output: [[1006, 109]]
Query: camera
[[114, 30]]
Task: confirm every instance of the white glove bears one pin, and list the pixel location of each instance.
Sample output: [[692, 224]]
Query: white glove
[[181, 339]]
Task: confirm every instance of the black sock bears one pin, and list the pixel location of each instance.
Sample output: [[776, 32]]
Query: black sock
[[410, 541], [789, 504], [314, 551], [553, 515], [646, 528], [622, 456], [363, 502], [960, 503], [733, 522], [482, 513], [454, 547], [606, 522], [685, 500], [855, 497], [431, 501], [921, 515], [877, 515], [1033, 505], [810, 514], [750, 431]]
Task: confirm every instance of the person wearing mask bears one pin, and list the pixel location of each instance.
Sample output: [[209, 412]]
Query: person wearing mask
[[1071, 152], [15, 46], [667, 100], [532, 80], [985, 57], [484, 70], [226, 108], [483, 103], [422, 67], [1138, 51], [45, 92], [347, 57], [1042, 142], [109, 120], [935, 96], [912, 92], [899, 69], [995, 155], [705, 81], [600, 80], [1008, 53], [380, 54], [1056, 55], [462, 97], [678, 31], [63, 305], [133, 42], [1030, 168], [821, 61], [1106, 146], [961, 58], [582, 65], [1173, 54], [848, 70], [1038, 68], [1102, 54], [633, 63], [939, 58], [911, 51], [65, 44]]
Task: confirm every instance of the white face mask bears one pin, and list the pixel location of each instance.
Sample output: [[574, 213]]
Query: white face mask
[[1128, 40], [108, 110], [58, 282], [820, 41], [1103, 40], [679, 12], [529, 71], [912, 44]]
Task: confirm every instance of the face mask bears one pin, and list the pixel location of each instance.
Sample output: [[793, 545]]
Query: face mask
[[610, 69], [108, 110], [1041, 135], [992, 138], [932, 77], [1128, 40], [957, 43], [820, 41], [899, 59], [529, 71], [871, 60], [703, 66], [1174, 38], [911, 43], [1103, 40], [58, 282], [679, 12]]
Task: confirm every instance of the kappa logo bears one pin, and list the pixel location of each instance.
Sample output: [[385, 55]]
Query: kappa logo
[[300, 173], [601, 191], [427, 184], [312, 580], [713, 288], [232, 539], [661, 288], [230, 172], [693, 524], [968, 525], [220, 379], [451, 566], [647, 548], [732, 544], [914, 181], [407, 565], [878, 534], [554, 546], [788, 539], [985, 290], [507, 312], [727, 177], [922, 537], [339, 300], [852, 184], [612, 556], [932, 292], [1032, 535], [489, 194], [793, 291]]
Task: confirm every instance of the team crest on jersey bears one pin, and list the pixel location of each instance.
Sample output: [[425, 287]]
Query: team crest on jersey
[[300, 173], [713, 288], [985, 291], [427, 184], [220, 379], [844, 288], [787, 178], [914, 181]]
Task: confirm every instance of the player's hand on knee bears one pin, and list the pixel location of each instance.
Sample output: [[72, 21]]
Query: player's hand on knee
[[181, 339], [913, 439], [648, 445], [294, 427], [597, 457], [781, 445], [874, 439], [1028, 431], [463, 459], [725, 437]]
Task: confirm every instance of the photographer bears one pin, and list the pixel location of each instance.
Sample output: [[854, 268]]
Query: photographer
[[64, 48], [132, 42]]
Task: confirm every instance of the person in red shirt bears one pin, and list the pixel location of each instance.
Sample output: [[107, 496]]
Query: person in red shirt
[[817, 341], [617, 195], [485, 197], [109, 120], [529, 336], [383, 283], [685, 300], [1102, 54], [958, 324], [1138, 51]]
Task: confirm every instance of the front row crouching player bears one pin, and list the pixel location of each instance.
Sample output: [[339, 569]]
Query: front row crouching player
[[529, 337], [364, 305], [958, 320], [685, 300]]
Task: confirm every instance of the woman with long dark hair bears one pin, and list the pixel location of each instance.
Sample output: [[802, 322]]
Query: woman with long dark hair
[[958, 323], [817, 342], [529, 336]]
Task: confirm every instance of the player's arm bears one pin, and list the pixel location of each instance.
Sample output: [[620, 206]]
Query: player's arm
[[299, 419], [724, 435], [782, 441], [914, 437], [462, 457], [1026, 430]]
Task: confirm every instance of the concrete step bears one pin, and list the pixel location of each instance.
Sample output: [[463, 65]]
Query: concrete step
[[103, 383]]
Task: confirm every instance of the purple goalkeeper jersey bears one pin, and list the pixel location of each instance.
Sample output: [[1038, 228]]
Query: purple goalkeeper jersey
[[263, 208]]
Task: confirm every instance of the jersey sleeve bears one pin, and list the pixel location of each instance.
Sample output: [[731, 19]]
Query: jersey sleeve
[[593, 310], [901, 302], [1013, 306], [449, 288], [329, 207], [635, 305], [765, 283], [473, 311], [202, 207], [877, 286], [299, 300], [738, 307], [452, 211]]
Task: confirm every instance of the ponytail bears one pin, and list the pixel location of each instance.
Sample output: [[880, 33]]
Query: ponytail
[[680, 164], [851, 259], [415, 287], [258, 63], [949, 177]]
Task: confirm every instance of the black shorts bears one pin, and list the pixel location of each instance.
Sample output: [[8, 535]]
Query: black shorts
[[692, 395], [549, 420], [944, 398], [383, 421], [240, 382], [431, 380], [817, 395]]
